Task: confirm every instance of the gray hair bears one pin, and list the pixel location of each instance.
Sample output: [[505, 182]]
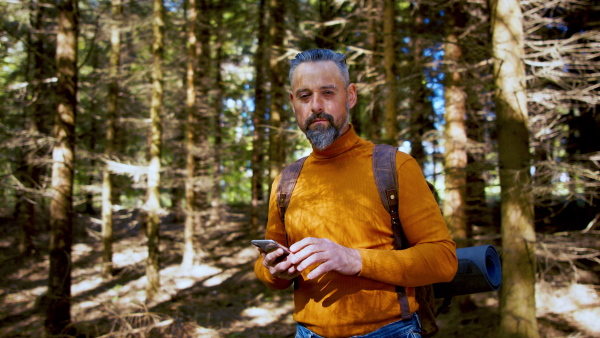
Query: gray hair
[[314, 55]]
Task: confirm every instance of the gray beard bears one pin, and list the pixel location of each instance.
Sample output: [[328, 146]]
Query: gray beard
[[322, 137]]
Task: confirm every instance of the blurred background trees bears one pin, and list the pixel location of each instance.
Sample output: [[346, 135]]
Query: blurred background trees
[[213, 93]]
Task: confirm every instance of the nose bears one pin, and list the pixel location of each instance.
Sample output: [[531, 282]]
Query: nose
[[317, 105]]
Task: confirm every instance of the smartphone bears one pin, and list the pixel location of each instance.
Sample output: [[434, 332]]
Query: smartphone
[[268, 245]]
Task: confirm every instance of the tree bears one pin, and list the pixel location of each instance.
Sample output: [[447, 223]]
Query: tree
[[517, 302], [58, 310], [277, 75], [417, 99], [153, 197], [260, 109], [389, 59], [455, 133], [192, 209], [217, 120], [373, 61], [111, 120]]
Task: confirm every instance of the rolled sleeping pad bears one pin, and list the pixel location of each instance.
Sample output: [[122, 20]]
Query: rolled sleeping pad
[[479, 270]]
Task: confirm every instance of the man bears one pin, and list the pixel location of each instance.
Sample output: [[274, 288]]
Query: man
[[339, 232]]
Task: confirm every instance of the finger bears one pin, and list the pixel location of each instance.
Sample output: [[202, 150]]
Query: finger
[[274, 255], [316, 246], [293, 271], [319, 271], [304, 243], [311, 260]]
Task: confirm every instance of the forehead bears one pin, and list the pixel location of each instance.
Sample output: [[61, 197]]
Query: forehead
[[319, 73]]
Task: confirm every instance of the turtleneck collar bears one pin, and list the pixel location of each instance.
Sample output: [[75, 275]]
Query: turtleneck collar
[[339, 146]]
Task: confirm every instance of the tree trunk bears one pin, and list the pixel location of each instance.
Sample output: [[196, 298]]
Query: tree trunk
[[417, 100], [517, 302], [455, 157], [215, 203], [260, 108], [58, 310], [193, 209], [278, 70], [373, 63], [153, 198], [111, 120], [197, 168], [389, 56]]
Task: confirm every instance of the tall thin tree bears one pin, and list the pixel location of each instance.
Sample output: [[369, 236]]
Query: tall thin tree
[[111, 120], [455, 156], [153, 197], [277, 74], [373, 62], [389, 59], [417, 101], [260, 108], [217, 119], [58, 310], [517, 299], [193, 205]]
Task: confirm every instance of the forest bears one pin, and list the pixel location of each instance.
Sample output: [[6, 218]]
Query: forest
[[139, 141]]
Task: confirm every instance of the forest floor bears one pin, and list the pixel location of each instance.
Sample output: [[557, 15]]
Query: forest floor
[[221, 297]]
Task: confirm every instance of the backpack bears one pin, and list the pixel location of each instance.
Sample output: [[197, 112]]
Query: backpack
[[384, 170]]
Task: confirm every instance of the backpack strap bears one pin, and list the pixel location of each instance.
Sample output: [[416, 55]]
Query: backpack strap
[[386, 179], [285, 187]]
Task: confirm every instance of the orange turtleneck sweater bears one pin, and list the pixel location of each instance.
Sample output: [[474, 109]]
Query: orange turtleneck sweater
[[336, 198]]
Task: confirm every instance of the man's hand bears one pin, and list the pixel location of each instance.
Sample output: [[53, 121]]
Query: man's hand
[[332, 256], [279, 265]]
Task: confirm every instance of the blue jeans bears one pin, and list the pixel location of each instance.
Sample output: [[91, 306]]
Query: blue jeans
[[401, 329]]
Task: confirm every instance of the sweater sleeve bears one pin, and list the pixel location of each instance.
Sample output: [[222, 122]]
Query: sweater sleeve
[[431, 257], [275, 231]]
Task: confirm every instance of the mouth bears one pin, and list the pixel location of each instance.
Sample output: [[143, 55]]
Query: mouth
[[319, 121]]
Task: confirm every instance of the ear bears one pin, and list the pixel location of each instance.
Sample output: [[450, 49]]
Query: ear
[[352, 95]]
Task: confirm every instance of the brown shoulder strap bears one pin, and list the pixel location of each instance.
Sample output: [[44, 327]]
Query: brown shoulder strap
[[386, 179], [287, 182]]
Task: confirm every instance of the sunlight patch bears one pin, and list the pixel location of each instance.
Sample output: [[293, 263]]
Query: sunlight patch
[[243, 256], [220, 278], [80, 250], [576, 303], [564, 300], [86, 285], [129, 257], [203, 332], [186, 279], [204, 271], [262, 316]]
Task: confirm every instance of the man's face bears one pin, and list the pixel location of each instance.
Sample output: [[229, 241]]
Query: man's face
[[321, 102]]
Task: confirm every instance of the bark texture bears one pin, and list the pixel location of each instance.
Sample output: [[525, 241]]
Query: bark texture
[[58, 310], [153, 198], [389, 57], [111, 120], [517, 302]]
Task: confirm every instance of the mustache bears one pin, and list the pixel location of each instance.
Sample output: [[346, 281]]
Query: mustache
[[319, 116]]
